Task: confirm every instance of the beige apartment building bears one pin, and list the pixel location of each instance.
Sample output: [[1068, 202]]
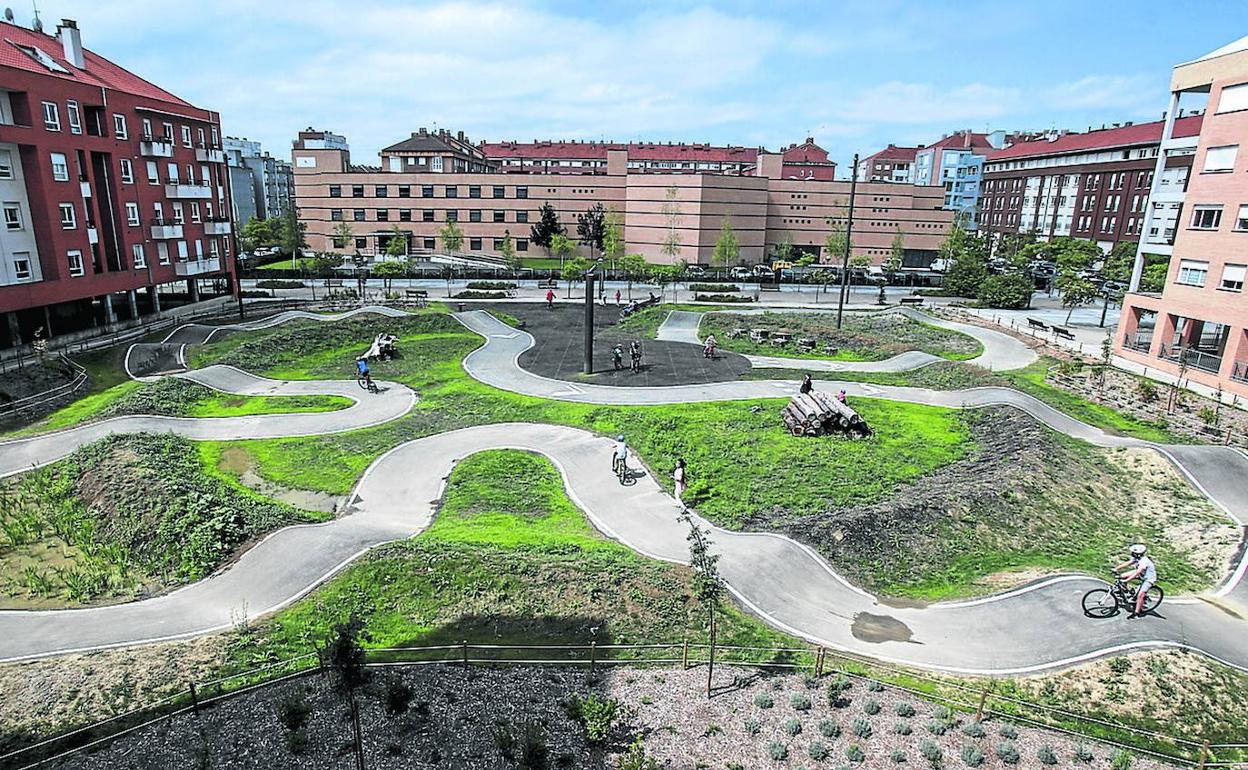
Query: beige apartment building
[[1199, 322], [427, 180]]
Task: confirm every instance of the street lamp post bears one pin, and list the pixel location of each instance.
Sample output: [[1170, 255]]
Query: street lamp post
[[589, 317]]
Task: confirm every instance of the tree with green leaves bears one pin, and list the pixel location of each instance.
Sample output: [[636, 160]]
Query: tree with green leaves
[[1153, 278], [634, 267], [782, 251], [397, 245], [546, 227], [1119, 261], [344, 235], [508, 252], [323, 266], [613, 237], [896, 255], [804, 260], [1075, 291], [562, 247], [256, 234], [388, 271], [1009, 290], [965, 261], [591, 228], [727, 247], [672, 216], [292, 234], [708, 585], [452, 237], [574, 271], [662, 275]]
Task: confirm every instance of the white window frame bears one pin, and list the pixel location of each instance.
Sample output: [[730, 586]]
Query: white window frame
[[6, 164], [195, 217], [179, 216], [1192, 272], [1234, 275], [72, 222], [186, 137], [127, 171], [1233, 98], [153, 172], [16, 222], [51, 116], [147, 129], [74, 115], [63, 176], [133, 217], [138, 256], [162, 252], [1220, 159], [20, 257], [76, 267], [1241, 220], [1197, 211], [119, 126]]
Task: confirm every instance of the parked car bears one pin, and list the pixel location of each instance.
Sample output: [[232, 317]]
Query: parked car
[[763, 271], [741, 273], [1113, 288], [694, 271]]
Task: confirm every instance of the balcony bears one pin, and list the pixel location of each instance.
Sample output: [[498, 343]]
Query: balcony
[[1196, 359], [205, 154], [216, 226], [150, 147], [198, 267], [164, 229], [188, 191], [1240, 371], [1139, 341]]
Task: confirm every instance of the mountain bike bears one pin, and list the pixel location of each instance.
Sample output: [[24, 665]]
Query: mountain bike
[[365, 381], [621, 469], [1107, 602]]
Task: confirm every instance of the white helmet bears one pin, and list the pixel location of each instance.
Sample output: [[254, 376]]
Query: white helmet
[[1138, 550]]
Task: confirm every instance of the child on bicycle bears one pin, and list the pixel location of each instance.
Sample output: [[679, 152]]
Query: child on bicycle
[[620, 455], [1142, 567]]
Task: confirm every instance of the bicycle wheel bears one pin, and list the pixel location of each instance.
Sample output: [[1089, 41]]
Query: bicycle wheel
[[363, 383], [1153, 598], [1100, 603]]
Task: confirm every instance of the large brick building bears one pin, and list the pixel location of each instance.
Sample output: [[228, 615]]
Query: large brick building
[[1198, 325], [764, 205], [111, 187]]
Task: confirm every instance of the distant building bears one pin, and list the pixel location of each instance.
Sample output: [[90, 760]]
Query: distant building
[[891, 164], [263, 186]]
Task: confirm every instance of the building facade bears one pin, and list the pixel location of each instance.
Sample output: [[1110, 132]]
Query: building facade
[[891, 164], [1197, 327], [112, 189], [1094, 185], [764, 206], [271, 181]]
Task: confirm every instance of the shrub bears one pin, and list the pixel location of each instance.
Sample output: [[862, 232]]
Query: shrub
[[778, 751], [929, 750], [712, 730], [972, 756], [470, 294], [829, 729], [793, 727], [1008, 731], [596, 714], [800, 701], [818, 751], [722, 299], [534, 754], [871, 707], [1120, 760], [491, 285], [713, 288], [1007, 753], [1083, 753], [875, 686], [753, 727], [293, 711], [272, 284], [398, 696], [942, 713], [810, 682], [937, 727], [1006, 291], [905, 710], [854, 753], [1145, 391], [345, 655], [974, 729], [862, 728], [635, 758], [898, 756], [902, 728], [297, 741], [764, 700], [1047, 755]]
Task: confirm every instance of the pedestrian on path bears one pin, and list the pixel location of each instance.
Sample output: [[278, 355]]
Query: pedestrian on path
[[807, 385], [682, 481], [550, 299], [617, 297]]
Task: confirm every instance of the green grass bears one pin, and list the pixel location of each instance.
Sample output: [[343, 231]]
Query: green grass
[[302, 263], [228, 405]]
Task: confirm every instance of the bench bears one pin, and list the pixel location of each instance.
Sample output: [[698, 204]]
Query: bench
[[333, 282], [548, 284], [1064, 333], [911, 301], [1037, 324], [759, 335], [805, 345], [418, 296], [735, 333], [769, 286]]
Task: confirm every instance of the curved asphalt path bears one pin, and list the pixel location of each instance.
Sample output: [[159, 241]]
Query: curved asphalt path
[[1031, 629]]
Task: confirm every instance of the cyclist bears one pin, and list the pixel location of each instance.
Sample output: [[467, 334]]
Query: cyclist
[[708, 347], [617, 357], [620, 455], [634, 353], [361, 368], [1142, 567]]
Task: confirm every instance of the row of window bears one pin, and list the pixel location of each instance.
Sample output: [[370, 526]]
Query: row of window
[[60, 170], [1195, 272], [138, 253], [474, 244], [14, 222], [1209, 217], [427, 215], [426, 191], [73, 114]]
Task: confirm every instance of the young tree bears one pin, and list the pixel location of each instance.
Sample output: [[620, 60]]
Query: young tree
[[835, 243], [783, 250], [671, 212], [546, 227], [563, 247], [388, 271], [966, 264], [896, 255], [257, 233], [662, 275], [397, 245], [708, 586], [452, 237], [804, 260], [613, 238], [508, 252], [1075, 291], [574, 271], [634, 267], [344, 236], [727, 248], [292, 233], [591, 228]]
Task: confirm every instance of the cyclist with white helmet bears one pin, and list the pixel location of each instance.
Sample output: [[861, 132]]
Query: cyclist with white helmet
[[620, 455], [1142, 567]]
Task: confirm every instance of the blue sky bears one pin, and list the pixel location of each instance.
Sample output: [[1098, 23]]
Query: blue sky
[[856, 75]]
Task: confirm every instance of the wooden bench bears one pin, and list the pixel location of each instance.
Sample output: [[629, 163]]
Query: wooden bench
[[911, 301], [1064, 333], [769, 287], [418, 296], [759, 335], [1037, 324], [548, 284], [805, 345], [780, 339]]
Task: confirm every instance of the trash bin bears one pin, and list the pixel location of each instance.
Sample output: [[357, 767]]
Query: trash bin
[[461, 306]]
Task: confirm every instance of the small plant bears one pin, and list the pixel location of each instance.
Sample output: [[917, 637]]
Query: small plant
[[596, 714], [930, 751], [902, 728], [344, 653], [800, 701], [1008, 732], [875, 686], [905, 710], [635, 758], [937, 727], [1083, 753], [1120, 760], [829, 729], [1209, 416], [818, 751], [297, 741], [1145, 391], [854, 753], [1047, 755], [534, 754], [778, 751], [712, 730], [1007, 753], [793, 727], [753, 727], [898, 756], [871, 707], [293, 712], [974, 730], [862, 728], [1119, 665], [398, 696], [810, 682], [836, 691], [942, 713], [972, 756], [764, 700]]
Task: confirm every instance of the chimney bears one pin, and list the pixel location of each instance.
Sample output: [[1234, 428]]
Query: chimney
[[460, 136], [71, 41]]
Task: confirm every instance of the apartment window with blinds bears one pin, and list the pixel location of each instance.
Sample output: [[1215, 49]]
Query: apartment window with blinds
[[1221, 158], [1192, 272], [75, 263], [1233, 277], [6, 164], [51, 117], [1206, 217], [1233, 98], [1241, 221]]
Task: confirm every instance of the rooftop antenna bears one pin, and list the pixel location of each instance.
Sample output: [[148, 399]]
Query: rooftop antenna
[[36, 25]]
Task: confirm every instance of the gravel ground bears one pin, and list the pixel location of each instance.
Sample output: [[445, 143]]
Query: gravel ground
[[453, 718]]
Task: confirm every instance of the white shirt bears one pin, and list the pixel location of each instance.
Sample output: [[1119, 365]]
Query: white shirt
[[1150, 570], [621, 450]]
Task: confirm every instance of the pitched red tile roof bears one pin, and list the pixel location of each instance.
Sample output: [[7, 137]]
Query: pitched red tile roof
[[99, 72], [1104, 139], [806, 152], [892, 152]]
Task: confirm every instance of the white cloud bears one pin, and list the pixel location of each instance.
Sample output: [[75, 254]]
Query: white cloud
[[898, 102], [1109, 93]]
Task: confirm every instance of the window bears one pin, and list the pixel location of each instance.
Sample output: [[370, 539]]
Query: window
[[474, 215], [186, 136], [430, 244], [51, 116], [1221, 158], [1241, 221], [426, 191], [380, 191], [153, 174], [436, 165], [127, 171], [357, 191], [1192, 272], [158, 210], [522, 244], [452, 191], [199, 250], [500, 216], [119, 127], [75, 263], [452, 215], [195, 211], [6, 164], [162, 252], [474, 191], [12, 215], [215, 139], [405, 215], [335, 191], [69, 220], [335, 215], [1233, 98], [132, 214], [405, 191], [171, 170], [358, 215], [1206, 217], [522, 192], [60, 167], [21, 265], [361, 243], [474, 244], [75, 117], [500, 191], [522, 217], [168, 128], [179, 216], [383, 215], [426, 215], [1233, 277], [498, 244], [139, 256]]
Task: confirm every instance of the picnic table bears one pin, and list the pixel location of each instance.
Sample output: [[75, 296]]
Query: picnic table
[[781, 338], [760, 335], [805, 344], [738, 332]]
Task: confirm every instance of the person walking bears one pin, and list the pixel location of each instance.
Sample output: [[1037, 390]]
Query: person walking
[[550, 299], [617, 297], [681, 477], [807, 385]]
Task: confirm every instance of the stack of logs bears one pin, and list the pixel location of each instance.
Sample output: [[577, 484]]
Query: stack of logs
[[818, 414]]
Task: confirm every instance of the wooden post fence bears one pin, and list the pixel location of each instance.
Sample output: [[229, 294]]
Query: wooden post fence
[[593, 655], [465, 649], [979, 710], [1204, 756], [684, 657], [194, 700], [819, 663]]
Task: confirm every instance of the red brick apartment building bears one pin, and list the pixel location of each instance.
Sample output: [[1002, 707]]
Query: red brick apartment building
[[422, 184], [111, 188], [1198, 325], [1093, 185]]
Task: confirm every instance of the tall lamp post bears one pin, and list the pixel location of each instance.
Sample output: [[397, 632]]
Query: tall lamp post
[[849, 235], [589, 317]]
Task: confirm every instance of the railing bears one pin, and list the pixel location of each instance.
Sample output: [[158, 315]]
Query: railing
[[197, 266], [1140, 341], [1193, 357], [60, 391]]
